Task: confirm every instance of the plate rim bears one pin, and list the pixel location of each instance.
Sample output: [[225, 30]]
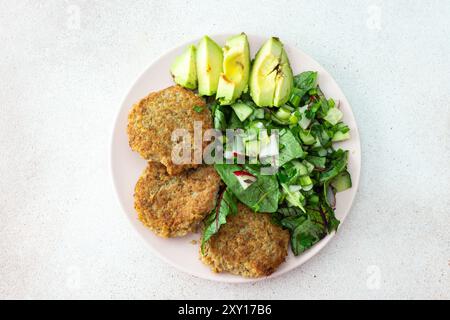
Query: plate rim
[[213, 276]]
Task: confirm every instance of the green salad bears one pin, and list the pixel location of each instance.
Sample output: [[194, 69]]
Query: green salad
[[260, 97]]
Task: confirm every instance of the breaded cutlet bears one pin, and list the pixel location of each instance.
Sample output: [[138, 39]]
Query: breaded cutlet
[[249, 244], [152, 120], [173, 206]]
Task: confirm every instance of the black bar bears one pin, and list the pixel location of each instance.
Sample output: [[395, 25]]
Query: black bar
[[233, 309]]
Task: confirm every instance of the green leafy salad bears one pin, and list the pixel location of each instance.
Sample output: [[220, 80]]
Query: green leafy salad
[[258, 98]]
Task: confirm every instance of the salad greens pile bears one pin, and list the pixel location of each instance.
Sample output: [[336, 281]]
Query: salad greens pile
[[300, 195]]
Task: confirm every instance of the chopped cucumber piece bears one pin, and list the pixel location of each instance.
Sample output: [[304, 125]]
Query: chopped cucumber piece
[[317, 144], [307, 137], [278, 121], [295, 188], [283, 114], [295, 100], [334, 115], [342, 181], [339, 136], [293, 119], [252, 148], [322, 152], [288, 108], [259, 113], [305, 181], [304, 120], [256, 125], [302, 168], [309, 166], [318, 162], [242, 110]]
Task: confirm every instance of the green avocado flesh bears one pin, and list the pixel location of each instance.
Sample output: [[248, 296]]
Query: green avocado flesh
[[284, 82], [184, 69], [209, 66], [236, 69], [271, 78]]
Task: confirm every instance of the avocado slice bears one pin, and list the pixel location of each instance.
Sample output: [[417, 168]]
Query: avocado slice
[[209, 66], [226, 90], [284, 81], [236, 69], [184, 69], [271, 78]]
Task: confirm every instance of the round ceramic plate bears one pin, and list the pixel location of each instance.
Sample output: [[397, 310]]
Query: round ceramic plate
[[126, 166]]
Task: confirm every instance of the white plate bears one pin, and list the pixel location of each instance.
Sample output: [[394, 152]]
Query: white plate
[[126, 166]]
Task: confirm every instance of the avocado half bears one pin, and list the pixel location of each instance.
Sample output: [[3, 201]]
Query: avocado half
[[271, 78], [184, 69], [209, 66], [236, 69]]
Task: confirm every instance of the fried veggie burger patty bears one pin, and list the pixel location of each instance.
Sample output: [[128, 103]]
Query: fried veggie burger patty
[[152, 120], [172, 206], [249, 244]]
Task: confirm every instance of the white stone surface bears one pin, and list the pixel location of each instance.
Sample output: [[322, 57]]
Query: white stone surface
[[62, 232]]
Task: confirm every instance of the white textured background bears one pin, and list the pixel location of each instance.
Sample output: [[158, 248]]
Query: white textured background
[[64, 68]]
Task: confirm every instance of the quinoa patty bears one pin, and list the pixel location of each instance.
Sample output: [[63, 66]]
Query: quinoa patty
[[249, 244], [152, 120], [172, 206]]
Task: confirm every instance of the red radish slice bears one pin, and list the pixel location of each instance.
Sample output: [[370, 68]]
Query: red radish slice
[[245, 178]]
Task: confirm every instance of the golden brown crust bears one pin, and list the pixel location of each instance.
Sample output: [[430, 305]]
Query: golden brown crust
[[172, 206], [249, 244], [152, 120]]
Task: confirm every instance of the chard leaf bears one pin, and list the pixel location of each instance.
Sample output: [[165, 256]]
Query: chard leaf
[[226, 204], [305, 235], [318, 162], [306, 229], [220, 122], [294, 198], [289, 148], [289, 211], [337, 166], [235, 123], [305, 81], [260, 196]]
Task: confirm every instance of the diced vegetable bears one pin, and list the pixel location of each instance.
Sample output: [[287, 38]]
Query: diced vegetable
[[258, 113], [307, 137], [318, 162], [334, 115], [242, 110], [283, 114], [304, 121], [342, 182], [339, 136], [294, 100], [252, 148], [245, 179], [293, 198], [293, 119], [268, 146], [301, 168], [305, 181]]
